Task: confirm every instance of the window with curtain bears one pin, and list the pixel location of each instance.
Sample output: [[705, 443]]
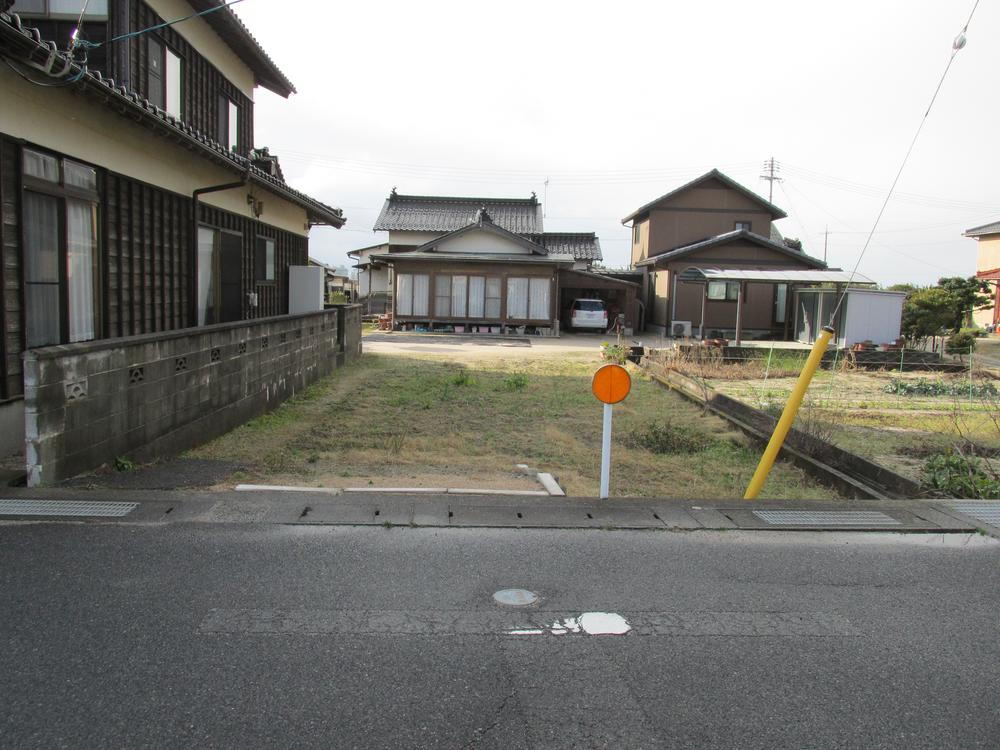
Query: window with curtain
[[60, 223], [517, 299], [538, 307], [780, 302], [720, 290], [208, 275], [459, 288], [264, 260], [477, 296], [411, 294]]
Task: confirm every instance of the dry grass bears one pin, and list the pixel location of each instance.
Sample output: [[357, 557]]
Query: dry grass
[[441, 421]]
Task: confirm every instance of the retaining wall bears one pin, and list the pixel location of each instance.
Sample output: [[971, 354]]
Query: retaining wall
[[147, 396]]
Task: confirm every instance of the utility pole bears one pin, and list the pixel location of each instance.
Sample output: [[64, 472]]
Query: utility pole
[[771, 167], [545, 197]]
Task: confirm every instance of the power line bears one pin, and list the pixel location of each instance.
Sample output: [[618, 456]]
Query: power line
[[956, 45], [157, 27]]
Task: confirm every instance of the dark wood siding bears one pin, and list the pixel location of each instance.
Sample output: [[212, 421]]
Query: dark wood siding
[[12, 337], [289, 250], [202, 85], [147, 258]]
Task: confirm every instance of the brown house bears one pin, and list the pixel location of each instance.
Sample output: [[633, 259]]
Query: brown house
[[485, 265], [713, 222]]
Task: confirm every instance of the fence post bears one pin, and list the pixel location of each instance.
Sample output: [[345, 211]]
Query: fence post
[[970, 372], [902, 354]]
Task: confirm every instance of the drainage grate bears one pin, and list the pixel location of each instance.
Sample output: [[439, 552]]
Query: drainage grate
[[64, 508], [826, 517], [985, 512]]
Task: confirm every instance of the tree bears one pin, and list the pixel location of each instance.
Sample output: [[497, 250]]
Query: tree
[[927, 312], [908, 288], [969, 295]]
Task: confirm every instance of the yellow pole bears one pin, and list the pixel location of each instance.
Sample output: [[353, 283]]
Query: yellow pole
[[788, 415]]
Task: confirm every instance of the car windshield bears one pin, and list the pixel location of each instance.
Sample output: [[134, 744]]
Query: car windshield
[[590, 305]]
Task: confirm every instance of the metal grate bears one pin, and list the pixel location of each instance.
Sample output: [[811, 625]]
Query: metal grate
[[58, 508], [826, 517], [985, 512]]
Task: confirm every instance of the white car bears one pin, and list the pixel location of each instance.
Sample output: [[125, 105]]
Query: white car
[[588, 313]]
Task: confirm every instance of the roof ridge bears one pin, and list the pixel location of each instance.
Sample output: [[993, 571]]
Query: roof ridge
[[533, 200]]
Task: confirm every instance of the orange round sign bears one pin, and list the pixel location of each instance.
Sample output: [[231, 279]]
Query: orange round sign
[[611, 384]]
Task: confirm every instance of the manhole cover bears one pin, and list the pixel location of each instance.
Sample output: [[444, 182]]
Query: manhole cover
[[64, 508], [985, 512], [825, 518], [515, 597]]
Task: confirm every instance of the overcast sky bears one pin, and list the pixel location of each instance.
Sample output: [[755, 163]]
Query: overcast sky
[[618, 103]]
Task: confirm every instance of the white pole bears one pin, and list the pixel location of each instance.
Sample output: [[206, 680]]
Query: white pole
[[606, 454]]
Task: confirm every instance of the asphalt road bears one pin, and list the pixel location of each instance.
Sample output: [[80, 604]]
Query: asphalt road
[[225, 635]]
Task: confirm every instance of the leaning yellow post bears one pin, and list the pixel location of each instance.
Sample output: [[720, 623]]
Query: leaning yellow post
[[788, 415]]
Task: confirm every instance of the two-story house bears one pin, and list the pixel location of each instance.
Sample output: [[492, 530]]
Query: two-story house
[[484, 265], [987, 237], [713, 222], [133, 199]]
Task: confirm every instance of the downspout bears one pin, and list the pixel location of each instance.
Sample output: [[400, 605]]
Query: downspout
[[193, 284]]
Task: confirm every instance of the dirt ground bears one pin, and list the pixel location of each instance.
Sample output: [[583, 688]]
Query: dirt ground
[[422, 411]]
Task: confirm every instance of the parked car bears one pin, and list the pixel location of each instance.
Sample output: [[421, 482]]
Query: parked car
[[588, 313]]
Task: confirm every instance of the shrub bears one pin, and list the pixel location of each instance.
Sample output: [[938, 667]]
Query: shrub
[[961, 476], [962, 342], [615, 353], [460, 378], [124, 464], [666, 437], [514, 382]]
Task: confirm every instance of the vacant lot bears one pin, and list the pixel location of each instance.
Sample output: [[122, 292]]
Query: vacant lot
[[410, 419]]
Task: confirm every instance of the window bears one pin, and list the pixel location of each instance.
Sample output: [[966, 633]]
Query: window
[[220, 276], [411, 293], [68, 9], [743, 225], [477, 296], [636, 234], [60, 245], [780, 302], [723, 290], [442, 293], [229, 123], [164, 77], [459, 288], [528, 299], [264, 260], [493, 297]]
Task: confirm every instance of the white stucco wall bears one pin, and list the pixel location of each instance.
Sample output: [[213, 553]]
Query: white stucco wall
[[412, 238], [203, 38], [988, 259], [57, 119], [483, 243]]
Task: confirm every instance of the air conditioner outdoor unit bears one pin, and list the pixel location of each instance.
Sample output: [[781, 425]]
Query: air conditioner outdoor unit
[[681, 329]]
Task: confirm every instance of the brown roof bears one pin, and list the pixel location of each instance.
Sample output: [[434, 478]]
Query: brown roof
[[722, 239], [776, 212]]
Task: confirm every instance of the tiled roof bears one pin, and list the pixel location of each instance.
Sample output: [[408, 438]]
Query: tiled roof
[[993, 228], [776, 212], [17, 40], [722, 239], [429, 213], [234, 33], [581, 245]]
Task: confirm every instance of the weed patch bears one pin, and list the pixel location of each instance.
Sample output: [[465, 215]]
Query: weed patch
[[666, 437]]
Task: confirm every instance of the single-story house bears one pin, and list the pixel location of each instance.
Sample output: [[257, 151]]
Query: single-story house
[[987, 237], [486, 265]]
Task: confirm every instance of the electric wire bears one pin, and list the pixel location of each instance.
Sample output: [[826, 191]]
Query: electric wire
[[165, 24], [957, 45]]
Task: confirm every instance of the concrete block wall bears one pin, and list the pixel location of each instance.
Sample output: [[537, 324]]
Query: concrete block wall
[[159, 394]]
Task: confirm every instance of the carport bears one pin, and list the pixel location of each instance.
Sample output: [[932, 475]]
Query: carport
[[789, 279], [618, 295]]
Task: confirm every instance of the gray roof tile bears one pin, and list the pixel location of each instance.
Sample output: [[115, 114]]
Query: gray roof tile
[[428, 213], [993, 228], [581, 245]]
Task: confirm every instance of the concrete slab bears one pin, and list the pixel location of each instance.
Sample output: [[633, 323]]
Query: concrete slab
[[676, 518], [347, 514], [430, 513], [943, 520], [562, 517], [551, 485], [485, 516], [710, 518], [628, 518]]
